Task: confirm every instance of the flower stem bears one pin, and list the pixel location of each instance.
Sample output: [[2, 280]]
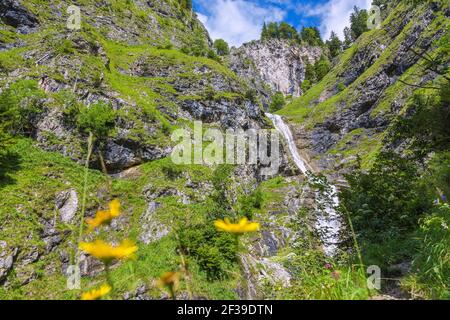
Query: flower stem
[[83, 202]]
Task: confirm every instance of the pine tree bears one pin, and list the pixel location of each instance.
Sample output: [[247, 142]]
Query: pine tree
[[334, 45], [358, 22], [311, 35], [264, 33]]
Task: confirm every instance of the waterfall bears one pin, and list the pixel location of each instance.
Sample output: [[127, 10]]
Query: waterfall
[[328, 220]]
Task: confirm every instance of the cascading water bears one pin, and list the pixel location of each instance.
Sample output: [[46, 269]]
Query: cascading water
[[328, 220]]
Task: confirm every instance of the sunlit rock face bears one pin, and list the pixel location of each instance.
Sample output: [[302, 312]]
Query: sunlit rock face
[[281, 64]]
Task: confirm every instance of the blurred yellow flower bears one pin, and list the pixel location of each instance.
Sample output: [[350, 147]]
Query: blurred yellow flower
[[104, 217], [243, 226], [170, 280], [96, 293], [107, 253]]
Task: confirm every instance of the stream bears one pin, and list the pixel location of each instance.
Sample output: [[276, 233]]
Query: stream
[[328, 222]]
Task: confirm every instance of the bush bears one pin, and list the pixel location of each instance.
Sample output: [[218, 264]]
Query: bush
[[214, 251], [98, 119], [432, 260], [278, 102], [341, 86], [213, 55], [221, 47], [71, 108], [251, 202], [306, 85], [19, 104], [321, 68], [385, 205]]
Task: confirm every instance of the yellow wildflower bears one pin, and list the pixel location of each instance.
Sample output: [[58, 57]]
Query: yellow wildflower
[[96, 293], [243, 226], [104, 217], [170, 281], [107, 253]]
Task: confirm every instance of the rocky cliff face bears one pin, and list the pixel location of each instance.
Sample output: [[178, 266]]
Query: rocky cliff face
[[278, 64], [350, 111], [125, 56]]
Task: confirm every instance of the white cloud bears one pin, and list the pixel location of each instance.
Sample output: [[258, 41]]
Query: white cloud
[[237, 21], [334, 15]]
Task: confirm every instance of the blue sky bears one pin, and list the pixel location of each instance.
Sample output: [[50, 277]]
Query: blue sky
[[240, 21]]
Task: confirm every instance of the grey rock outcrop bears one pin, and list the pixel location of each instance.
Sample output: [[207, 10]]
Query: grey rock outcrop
[[14, 14], [280, 64], [7, 259], [67, 204]]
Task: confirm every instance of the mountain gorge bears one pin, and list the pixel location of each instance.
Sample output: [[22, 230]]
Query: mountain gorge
[[88, 115]]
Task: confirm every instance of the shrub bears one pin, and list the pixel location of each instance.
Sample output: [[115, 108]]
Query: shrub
[[277, 102], [385, 205], [221, 47], [19, 104], [432, 260], [98, 119], [70, 106], [213, 55], [321, 68], [251, 202], [306, 85], [214, 251]]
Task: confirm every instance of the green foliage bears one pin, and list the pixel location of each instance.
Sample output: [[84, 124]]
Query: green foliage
[[171, 171], [431, 263], [98, 119], [341, 86], [71, 108], [334, 45], [251, 95], [221, 47], [250, 202], [358, 22], [318, 278], [321, 68], [282, 30], [212, 55], [215, 252], [311, 36], [427, 127], [306, 85], [197, 48], [65, 47], [310, 73], [386, 202], [220, 204], [19, 104], [186, 4], [278, 102], [315, 73]]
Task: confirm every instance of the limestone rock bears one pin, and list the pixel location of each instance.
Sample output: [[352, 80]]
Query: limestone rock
[[67, 204]]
